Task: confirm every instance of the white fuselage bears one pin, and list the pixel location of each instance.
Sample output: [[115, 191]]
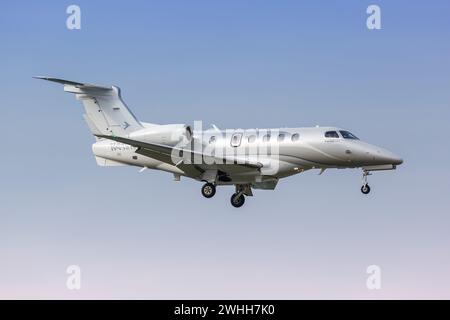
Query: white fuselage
[[249, 159], [283, 152]]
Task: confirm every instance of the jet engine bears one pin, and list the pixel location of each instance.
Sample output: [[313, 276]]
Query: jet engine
[[169, 134]]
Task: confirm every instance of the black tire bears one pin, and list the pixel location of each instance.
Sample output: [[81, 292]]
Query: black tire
[[365, 189], [208, 190], [237, 201]]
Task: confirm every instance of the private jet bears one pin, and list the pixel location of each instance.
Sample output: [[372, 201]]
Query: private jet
[[245, 158]]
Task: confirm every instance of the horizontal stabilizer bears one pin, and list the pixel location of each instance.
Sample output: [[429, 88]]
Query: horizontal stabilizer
[[73, 83]]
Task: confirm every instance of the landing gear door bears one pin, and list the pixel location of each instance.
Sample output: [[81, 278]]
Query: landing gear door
[[236, 139]]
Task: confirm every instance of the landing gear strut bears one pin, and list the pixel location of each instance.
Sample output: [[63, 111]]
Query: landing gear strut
[[208, 190], [365, 187]]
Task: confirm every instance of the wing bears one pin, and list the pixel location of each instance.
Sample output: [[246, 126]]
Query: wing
[[192, 162]]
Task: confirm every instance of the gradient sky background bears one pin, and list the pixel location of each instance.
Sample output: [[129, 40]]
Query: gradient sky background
[[235, 64]]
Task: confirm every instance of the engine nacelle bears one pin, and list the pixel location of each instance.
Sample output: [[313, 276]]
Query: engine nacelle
[[168, 134]]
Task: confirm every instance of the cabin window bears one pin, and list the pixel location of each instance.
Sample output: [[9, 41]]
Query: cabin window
[[331, 134], [266, 138], [251, 139], [236, 139], [295, 137], [281, 137], [348, 135], [212, 139]]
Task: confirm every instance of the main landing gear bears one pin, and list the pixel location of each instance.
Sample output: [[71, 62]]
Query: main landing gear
[[237, 199], [208, 190], [365, 187]]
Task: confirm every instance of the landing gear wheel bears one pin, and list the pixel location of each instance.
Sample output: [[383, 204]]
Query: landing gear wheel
[[208, 190], [365, 189], [237, 200]]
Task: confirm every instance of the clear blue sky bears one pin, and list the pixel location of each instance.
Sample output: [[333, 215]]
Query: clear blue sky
[[234, 64]]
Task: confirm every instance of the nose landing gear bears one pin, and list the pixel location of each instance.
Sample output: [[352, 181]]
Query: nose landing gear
[[365, 187]]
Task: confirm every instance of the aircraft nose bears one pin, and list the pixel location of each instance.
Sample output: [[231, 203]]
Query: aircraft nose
[[397, 161], [389, 157], [370, 154]]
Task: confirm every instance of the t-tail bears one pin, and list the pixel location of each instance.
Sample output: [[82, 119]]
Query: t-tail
[[106, 112]]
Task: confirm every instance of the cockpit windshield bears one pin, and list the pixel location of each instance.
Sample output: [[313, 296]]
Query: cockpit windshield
[[331, 134], [348, 135]]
